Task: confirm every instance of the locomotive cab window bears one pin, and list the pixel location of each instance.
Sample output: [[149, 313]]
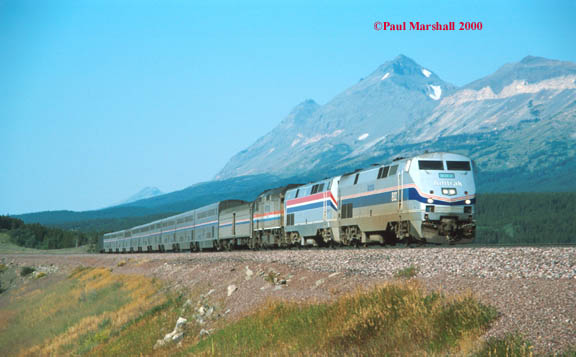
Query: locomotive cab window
[[458, 165], [393, 170], [383, 172], [430, 165], [317, 188]]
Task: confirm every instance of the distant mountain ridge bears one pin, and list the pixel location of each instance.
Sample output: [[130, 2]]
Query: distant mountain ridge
[[146, 192]]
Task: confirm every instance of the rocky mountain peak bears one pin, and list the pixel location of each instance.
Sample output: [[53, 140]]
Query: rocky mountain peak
[[534, 60], [529, 70], [146, 192], [389, 100], [300, 113], [401, 65]]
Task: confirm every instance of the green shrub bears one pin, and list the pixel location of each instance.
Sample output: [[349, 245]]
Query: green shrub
[[509, 345], [25, 271], [408, 272]]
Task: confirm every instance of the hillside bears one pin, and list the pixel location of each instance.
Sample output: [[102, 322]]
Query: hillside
[[421, 301]]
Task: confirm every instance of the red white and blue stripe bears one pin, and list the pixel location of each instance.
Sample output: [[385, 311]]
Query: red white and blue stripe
[[265, 217], [316, 200], [408, 192]]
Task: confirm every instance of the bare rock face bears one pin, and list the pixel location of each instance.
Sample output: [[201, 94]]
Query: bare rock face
[[249, 273], [232, 289], [176, 335]]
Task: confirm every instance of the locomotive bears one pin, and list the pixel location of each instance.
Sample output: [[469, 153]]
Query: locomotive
[[428, 198]]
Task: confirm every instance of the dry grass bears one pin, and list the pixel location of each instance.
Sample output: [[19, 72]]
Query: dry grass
[[76, 314], [394, 319]]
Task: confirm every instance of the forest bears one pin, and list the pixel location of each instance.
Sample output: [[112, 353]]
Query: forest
[[35, 235], [526, 218]]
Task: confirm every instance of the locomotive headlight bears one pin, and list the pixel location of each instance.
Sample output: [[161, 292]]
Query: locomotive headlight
[[468, 202], [430, 200]]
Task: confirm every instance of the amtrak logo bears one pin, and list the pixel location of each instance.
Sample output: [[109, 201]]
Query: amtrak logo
[[454, 183]]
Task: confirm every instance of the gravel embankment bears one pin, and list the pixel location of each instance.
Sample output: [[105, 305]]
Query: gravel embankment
[[543, 263], [533, 288]]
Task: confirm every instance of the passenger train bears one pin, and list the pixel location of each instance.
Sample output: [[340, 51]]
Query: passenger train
[[429, 198]]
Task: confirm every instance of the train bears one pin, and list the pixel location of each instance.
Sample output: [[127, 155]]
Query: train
[[425, 199]]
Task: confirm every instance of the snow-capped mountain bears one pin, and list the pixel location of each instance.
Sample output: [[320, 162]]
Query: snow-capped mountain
[[522, 117], [393, 97]]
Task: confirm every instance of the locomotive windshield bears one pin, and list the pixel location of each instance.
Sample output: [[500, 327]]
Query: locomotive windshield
[[458, 165], [430, 165]]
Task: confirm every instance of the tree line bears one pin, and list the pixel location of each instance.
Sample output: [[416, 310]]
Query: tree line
[[526, 218], [34, 235]]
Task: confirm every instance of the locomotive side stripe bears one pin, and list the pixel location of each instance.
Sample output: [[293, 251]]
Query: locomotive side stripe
[[407, 195], [313, 205], [267, 214], [408, 186], [327, 195], [271, 217]]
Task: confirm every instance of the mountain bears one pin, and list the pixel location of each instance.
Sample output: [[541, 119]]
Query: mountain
[[393, 97], [146, 210], [146, 192], [517, 124]]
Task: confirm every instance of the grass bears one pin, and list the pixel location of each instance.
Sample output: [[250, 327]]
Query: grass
[[7, 247], [509, 345], [408, 272], [76, 314], [394, 319]]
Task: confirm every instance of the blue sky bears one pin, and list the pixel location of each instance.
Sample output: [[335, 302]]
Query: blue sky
[[99, 99]]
